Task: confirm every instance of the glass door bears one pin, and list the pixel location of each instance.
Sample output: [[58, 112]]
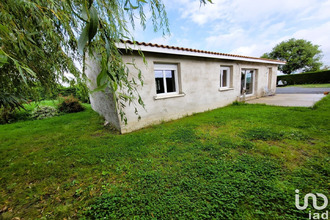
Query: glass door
[[247, 82]]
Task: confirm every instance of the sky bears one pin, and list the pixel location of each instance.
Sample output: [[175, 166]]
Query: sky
[[243, 27]]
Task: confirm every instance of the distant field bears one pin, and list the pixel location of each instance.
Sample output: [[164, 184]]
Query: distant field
[[243, 161]]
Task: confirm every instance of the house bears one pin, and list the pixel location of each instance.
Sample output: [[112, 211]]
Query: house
[[181, 81]]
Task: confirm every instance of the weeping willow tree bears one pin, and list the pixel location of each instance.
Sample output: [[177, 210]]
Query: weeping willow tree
[[41, 40]]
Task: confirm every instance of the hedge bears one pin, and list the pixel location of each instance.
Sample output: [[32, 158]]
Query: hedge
[[78, 91], [66, 91], [319, 77]]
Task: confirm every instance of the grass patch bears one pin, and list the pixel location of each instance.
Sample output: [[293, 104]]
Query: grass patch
[[263, 133], [237, 162], [326, 85], [270, 133], [213, 189]]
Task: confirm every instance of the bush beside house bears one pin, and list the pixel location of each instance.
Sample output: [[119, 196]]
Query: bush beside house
[[69, 104], [79, 91]]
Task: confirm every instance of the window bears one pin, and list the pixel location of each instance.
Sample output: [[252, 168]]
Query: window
[[224, 77], [166, 78]]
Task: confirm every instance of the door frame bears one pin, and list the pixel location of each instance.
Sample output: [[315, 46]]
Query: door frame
[[269, 78], [253, 81]]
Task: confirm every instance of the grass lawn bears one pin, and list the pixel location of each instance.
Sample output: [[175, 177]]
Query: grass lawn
[[237, 162], [327, 85]]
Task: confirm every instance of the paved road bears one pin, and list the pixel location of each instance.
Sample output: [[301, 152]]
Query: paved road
[[300, 90]]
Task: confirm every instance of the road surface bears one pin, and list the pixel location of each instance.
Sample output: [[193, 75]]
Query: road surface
[[300, 90]]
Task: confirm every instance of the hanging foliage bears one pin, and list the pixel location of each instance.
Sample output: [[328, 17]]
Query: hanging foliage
[[41, 40]]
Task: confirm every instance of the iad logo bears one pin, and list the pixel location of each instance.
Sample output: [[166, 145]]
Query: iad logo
[[311, 195], [315, 215]]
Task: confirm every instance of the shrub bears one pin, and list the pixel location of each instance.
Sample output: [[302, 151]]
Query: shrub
[[237, 103], [43, 112], [7, 115], [306, 78], [66, 91], [69, 104], [80, 91], [9, 104]]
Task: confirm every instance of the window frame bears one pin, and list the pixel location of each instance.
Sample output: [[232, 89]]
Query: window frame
[[228, 80], [165, 67], [253, 80]]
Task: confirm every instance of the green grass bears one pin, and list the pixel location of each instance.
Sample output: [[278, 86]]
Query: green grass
[[312, 85], [238, 162]]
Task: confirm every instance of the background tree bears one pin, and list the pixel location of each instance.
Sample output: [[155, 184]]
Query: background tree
[[326, 67], [41, 39], [299, 55]]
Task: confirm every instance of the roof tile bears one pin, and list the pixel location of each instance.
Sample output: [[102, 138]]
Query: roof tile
[[195, 50]]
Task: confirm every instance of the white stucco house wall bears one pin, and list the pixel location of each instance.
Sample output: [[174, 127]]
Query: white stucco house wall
[[181, 81]]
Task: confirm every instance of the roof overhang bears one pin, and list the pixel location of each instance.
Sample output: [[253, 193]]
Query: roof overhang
[[195, 53]]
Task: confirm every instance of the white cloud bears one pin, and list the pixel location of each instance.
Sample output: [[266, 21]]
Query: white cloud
[[242, 10], [202, 14], [257, 48], [255, 27], [317, 35], [260, 10], [318, 12], [234, 36], [246, 27], [246, 41], [271, 30], [246, 50]]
